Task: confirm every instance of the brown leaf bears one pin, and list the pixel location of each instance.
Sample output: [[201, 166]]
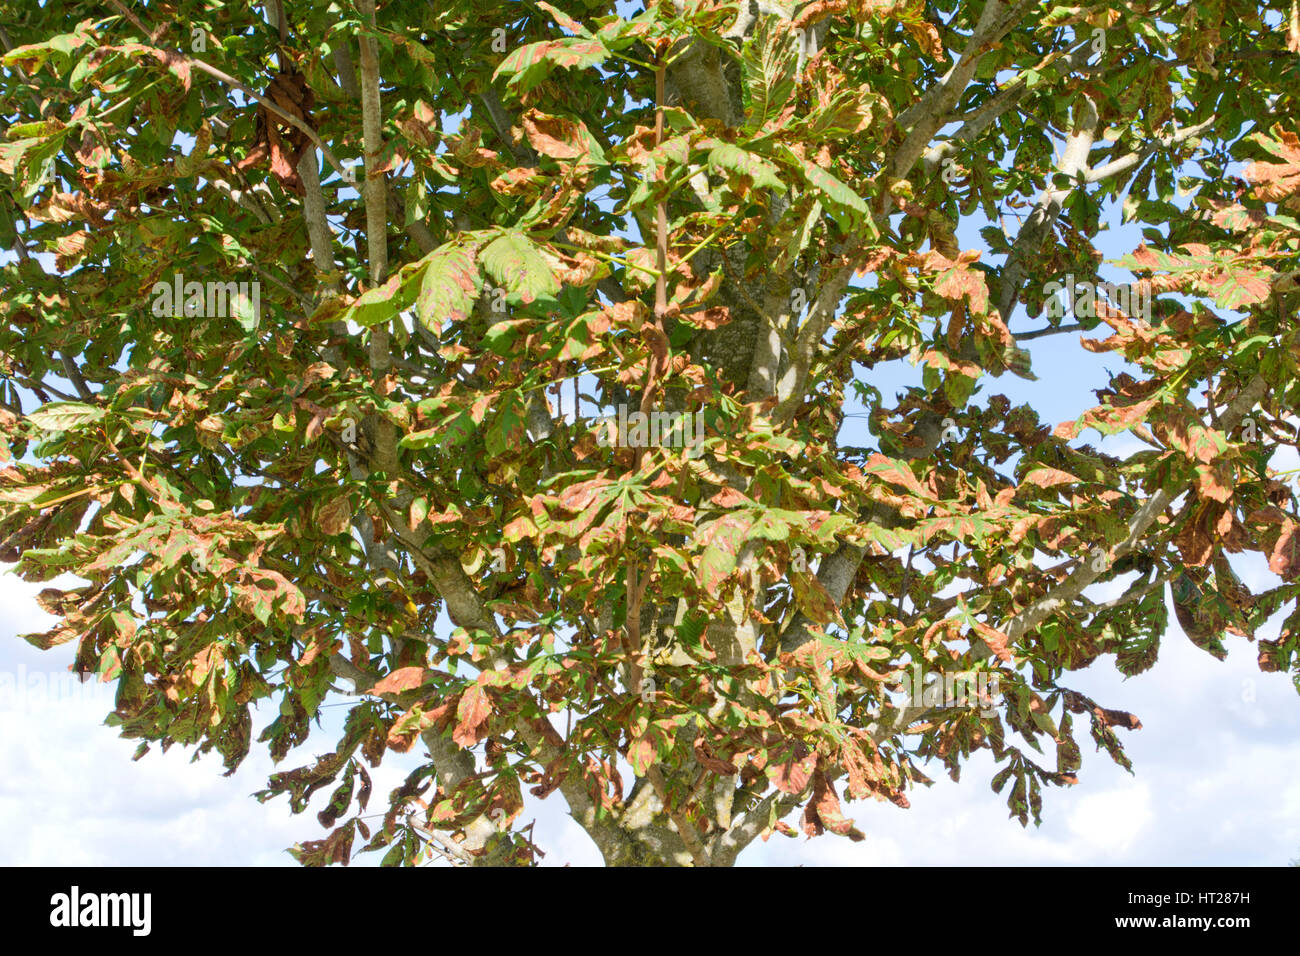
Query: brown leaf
[[710, 318], [472, 713], [792, 774], [823, 810], [1285, 557], [579, 497], [334, 517], [729, 497], [1194, 541], [519, 181], [554, 136], [1050, 477], [402, 679], [996, 640], [709, 760]]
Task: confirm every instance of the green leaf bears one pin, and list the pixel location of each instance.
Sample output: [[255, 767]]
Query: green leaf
[[529, 65], [768, 62], [734, 159], [500, 338], [722, 540], [378, 305], [845, 206], [450, 287], [516, 262], [507, 429], [63, 416]]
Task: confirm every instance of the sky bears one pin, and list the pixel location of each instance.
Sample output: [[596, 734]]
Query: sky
[[1217, 760]]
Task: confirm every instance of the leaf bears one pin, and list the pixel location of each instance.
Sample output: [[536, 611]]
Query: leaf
[[1050, 478], [995, 639], [563, 19], [449, 289], [500, 338], [418, 511], [768, 61], [560, 137], [652, 746], [823, 810], [336, 848], [400, 680], [731, 158], [722, 540], [1240, 286], [1276, 181], [507, 430], [529, 65], [514, 261], [1284, 560], [791, 772], [584, 494], [813, 598], [956, 280], [471, 716], [644, 751], [378, 305], [1108, 419], [896, 473], [266, 591], [64, 416], [845, 206], [11, 154], [334, 517]]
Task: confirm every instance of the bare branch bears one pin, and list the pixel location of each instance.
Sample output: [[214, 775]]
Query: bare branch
[[1128, 161]]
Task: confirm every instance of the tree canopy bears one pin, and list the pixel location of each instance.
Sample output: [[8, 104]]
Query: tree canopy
[[512, 371]]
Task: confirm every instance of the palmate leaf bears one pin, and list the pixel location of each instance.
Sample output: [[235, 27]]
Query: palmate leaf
[[1241, 285], [1234, 280]]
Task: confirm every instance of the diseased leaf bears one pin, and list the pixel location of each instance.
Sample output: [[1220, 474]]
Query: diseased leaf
[[513, 260], [65, 416], [449, 288]]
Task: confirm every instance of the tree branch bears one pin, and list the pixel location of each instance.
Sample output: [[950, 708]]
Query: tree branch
[[1128, 161], [1083, 574], [229, 80]]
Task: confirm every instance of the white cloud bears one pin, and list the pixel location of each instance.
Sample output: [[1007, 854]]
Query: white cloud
[[1111, 821]]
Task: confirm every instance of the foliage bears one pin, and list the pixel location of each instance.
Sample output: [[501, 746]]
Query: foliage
[[745, 212]]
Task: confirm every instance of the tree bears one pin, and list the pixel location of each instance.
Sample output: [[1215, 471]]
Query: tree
[[551, 320]]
